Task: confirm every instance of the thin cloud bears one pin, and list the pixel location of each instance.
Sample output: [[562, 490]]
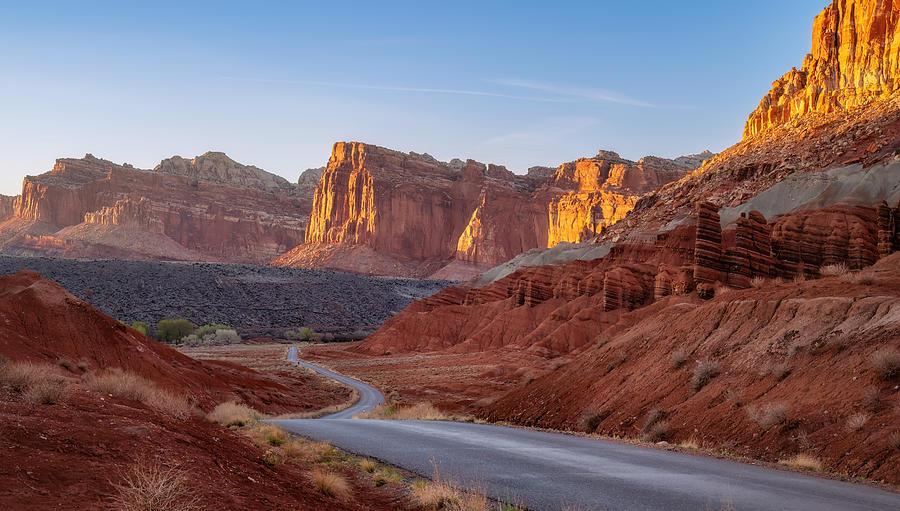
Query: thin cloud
[[390, 88], [575, 92]]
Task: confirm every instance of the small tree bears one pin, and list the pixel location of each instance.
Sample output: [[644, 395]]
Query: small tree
[[173, 329], [305, 334], [210, 330], [141, 327]]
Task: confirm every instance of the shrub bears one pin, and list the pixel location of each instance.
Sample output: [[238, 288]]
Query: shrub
[[655, 428], [590, 419], [270, 458], [804, 461], [894, 440], [769, 415], [227, 337], [331, 483], [367, 465], [210, 330], [779, 371], [141, 327], [173, 329], [23, 375], [66, 364], [149, 486], [233, 414], [856, 421], [127, 385], [887, 363], [703, 374], [47, 392], [834, 270], [267, 434], [679, 357]]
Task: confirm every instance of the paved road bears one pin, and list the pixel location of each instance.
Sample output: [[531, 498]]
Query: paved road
[[369, 396], [547, 470]]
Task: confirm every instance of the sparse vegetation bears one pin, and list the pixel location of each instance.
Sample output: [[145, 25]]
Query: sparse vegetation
[[210, 330], [418, 411], [367, 465], [171, 330], [780, 371], [769, 415], [590, 419], [270, 458], [331, 483], [127, 385], [887, 363], [857, 421], [304, 334], [894, 440], [758, 282], [679, 357], [704, 372], [834, 270], [38, 383], [149, 486], [691, 443], [803, 461], [234, 414], [47, 392], [655, 427], [267, 435], [435, 495], [387, 475]]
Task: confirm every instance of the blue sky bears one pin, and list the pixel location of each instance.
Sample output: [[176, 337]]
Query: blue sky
[[275, 84]]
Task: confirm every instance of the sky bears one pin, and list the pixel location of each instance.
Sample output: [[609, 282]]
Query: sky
[[275, 84]]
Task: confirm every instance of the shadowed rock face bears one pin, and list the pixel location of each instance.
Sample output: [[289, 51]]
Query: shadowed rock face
[[855, 59], [209, 208], [415, 214]]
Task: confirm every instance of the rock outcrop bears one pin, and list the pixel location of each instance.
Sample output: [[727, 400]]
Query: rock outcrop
[[209, 208], [378, 208], [854, 60], [7, 206]]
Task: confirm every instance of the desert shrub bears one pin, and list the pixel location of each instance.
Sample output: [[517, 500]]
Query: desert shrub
[[779, 371], [270, 458], [590, 419], [233, 414], [127, 385], [305, 334], [894, 440], [173, 329], [887, 363], [48, 392], [141, 327], [616, 359], [736, 396], [150, 486], [704, 372], [769, 415], [205, 330], [856, 421], [227, 337], [679, 357], [331, 483], [23, 375], [834, 270], [367, 465], [655, 428], [804, 461]]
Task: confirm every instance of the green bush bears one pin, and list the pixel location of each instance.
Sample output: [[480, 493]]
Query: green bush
[[141, 327], [173, 329], [211, 329]]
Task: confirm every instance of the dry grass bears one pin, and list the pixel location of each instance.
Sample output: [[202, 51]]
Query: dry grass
[[679, 357], [387, 475], [887, 363], [23, 375], [804, 461], [418, 411], [834, 270], [894, 440], [48, 392], [233, 414], [368, 465], [758, 281], [267, 435], [858, 278], [691, 443], [779, 371], [331, 483], [127, 385], [435, 495], [857, 421], [769, 415], [704, 372], [655, 428], [150, 486]]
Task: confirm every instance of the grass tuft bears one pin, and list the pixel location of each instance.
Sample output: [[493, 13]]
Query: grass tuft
[[150, 486], [704, 373], [127, 385], [234, 414], [769, 415], [857, 421], [887, 363], [804, 461], [331, 483]]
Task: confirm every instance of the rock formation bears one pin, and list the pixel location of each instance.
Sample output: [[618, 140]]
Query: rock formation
[[855, 59], [381, 210], [209, 208]]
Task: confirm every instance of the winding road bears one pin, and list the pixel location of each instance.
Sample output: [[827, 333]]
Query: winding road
[[548, 470]]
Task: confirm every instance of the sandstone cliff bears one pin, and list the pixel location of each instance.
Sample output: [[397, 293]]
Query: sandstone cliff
[[208, 208], [854, 60], [381, 210]]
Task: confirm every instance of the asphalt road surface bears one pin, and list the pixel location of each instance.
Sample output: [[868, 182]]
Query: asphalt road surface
[[548, 470], [369, 396]]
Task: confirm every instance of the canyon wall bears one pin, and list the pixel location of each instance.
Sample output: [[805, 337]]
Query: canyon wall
[[207, 208], [854, 60], [381, 210]]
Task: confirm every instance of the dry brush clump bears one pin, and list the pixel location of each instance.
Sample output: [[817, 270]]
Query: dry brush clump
[[679, 357], [769, 415], [127, 385], [234, 414], [803, 461], [39, 383], [418, 411], [149, 486], [655, 427], [834, 270], [331, 483], [857, 421], [887, 363], [591, 418], [704, 372]]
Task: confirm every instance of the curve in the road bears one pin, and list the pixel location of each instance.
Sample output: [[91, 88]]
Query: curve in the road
[[369, 396], [546, 470]]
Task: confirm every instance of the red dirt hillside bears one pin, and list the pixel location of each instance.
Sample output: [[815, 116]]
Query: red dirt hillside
[[795, 365], [67, 441]]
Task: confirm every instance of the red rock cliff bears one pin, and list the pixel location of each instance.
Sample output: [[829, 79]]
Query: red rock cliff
[[855, 59]]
